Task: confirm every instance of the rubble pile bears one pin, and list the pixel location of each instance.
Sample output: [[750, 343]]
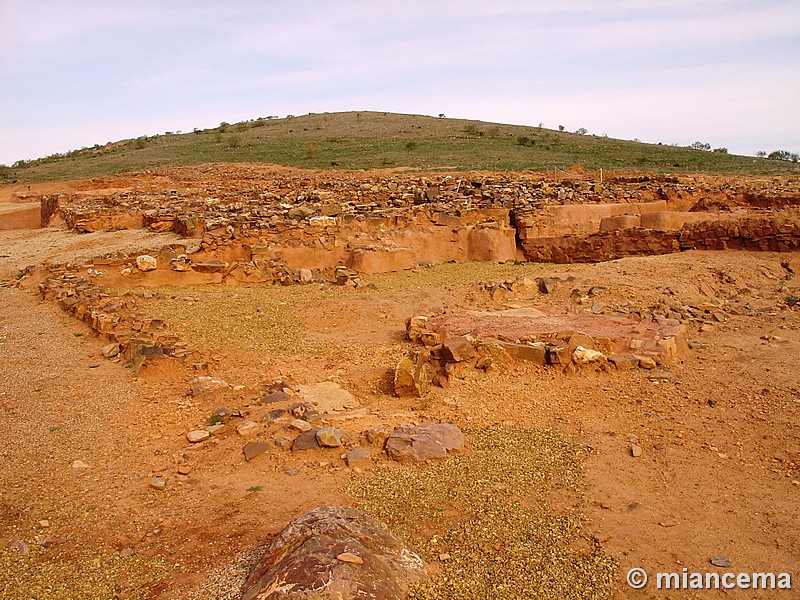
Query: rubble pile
[[135, 337], [544, 337]]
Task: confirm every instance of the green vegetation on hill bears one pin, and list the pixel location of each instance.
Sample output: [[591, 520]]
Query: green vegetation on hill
[[368, 140]]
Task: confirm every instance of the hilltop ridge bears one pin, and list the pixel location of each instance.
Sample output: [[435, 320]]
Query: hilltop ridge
[[369, 140]]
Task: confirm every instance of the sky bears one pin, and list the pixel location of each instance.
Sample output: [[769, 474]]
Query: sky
[[75, 73]]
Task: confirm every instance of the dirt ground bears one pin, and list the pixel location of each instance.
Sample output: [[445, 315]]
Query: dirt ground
[[719, 473]]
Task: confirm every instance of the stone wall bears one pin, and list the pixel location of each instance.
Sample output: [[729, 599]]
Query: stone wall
[[777, 233]]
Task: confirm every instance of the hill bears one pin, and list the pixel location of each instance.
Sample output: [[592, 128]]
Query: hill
[[367, 140]]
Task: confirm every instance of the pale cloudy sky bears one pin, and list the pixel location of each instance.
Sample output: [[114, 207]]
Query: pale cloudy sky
[[75, 73]]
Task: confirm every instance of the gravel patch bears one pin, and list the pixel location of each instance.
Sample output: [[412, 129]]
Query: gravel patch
[[486, 521]]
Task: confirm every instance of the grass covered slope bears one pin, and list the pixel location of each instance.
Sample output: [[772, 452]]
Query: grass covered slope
[[368, 140]]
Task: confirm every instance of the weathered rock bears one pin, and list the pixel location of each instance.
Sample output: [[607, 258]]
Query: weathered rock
[[180, 263], [720, 561], [300, 212], [205, 384], [584, 356], [559, 355], [490, 352], [197, 435], [535, 353], [306, 441], [248, 428], [328, 397], [359, 458], [458, 349], [254, 449], [111, 350], [329, 437], [79, 464], [304, 561], [416, 327], [413, 374], [624, 363], [300, 425], [274, 397], [215, 429], [426, 441], [145, 262], [378, 435], [300, 409], [158, 483], [645, 362], [306, 276], [139, 352]]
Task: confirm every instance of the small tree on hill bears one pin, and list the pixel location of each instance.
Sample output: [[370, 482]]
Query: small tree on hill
[[784, 155]]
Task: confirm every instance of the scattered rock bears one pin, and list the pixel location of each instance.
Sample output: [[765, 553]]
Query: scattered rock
[[304, 560], [205, 384], [636, 450], [458, 349], [254, 449], [624, 363], [351, 558], [645, 362], [535, 353], [583, 356], [197, 435], [359, 458], [300, 425], [79, 464], [426, 441], [658, 375], [378, 435], [413, 374], [158, 482], [329, 437], [184, 470], [145, 262], [720, 561], [274, 397], [248, 428], [299, 409], [328, 397], [111, 350], [216, 428], [306, 276], [306, 441]]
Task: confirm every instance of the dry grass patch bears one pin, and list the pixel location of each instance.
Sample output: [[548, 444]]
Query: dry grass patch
[[490, 515]]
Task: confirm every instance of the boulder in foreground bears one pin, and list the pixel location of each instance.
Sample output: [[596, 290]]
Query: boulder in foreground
[[334, 552]]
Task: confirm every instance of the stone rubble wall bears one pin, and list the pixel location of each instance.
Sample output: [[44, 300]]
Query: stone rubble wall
[[136, 337], [776, 233]]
